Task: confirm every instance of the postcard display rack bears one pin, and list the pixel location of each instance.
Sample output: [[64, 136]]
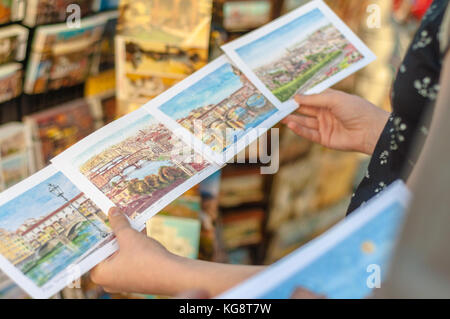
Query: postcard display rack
[[106, 167]]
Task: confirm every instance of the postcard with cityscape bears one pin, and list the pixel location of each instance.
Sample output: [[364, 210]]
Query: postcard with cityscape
[[338, 263], [306, 51], [135, 163], [218, 105], [47, 225], [173, 22]]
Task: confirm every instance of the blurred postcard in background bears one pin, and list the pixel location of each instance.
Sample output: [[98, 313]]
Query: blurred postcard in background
[[13, 43], [10, 81], [11, 10], [53, 130], [180, 235], [245, 15], [40, 12], [61, 56], [346, 262], [16, 160], [178, 23]]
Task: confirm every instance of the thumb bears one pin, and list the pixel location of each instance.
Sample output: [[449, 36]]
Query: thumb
[[326, 99], [119, 222]]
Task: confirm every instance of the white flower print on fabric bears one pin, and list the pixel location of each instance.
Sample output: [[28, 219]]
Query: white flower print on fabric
[[397, 132], [402, 68], [429, 12], [424, 130], [384, 157], [424, 40], [425, 89], [381, 186]]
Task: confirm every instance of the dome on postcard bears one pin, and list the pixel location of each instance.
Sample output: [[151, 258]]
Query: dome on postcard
[[256, 101]]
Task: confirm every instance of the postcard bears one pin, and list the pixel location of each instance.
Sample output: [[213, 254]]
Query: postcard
[[54, 130], [246, 15], [217, 107], [48, 227], [13, 43], [136, 164], [11, 75], [180, 235], [104, 5], [13, 139], [107, 54], [14, 168], [63, 56], [305, 51], [40, 12], [60, 38], [16, 158], [147, 57], [103, 108], [11, 10], [142, 88], [341, 263], [173, 22]]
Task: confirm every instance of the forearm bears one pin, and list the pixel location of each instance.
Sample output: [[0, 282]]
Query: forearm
[[184, 274], [378, 120]]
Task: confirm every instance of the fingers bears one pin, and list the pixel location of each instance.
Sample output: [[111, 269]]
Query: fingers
[[308, 110], [308, 133], [118, 221], [307, 121], [325, 99]]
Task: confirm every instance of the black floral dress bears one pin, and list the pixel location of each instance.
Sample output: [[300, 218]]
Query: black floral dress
[[414, 91]]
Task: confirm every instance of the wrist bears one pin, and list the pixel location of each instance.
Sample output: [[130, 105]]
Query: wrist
[[378, 122]]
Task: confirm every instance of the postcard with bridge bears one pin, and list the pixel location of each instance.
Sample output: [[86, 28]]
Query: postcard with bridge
[[217, 109], [305, 51], [135, 163], [48, 228]]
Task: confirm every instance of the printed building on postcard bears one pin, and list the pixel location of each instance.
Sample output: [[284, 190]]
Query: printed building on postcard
[[37, 237], [234, 112]]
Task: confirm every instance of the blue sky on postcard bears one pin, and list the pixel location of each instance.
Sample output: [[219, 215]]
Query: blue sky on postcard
[[116, 137], [273, 44], [211, 89], [35, 202]]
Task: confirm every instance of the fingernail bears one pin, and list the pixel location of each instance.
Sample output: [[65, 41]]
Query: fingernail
[[114, 211]]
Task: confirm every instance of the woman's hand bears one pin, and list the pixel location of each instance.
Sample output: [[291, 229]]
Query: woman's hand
[[338, 120], [140, 265], [143, 265]]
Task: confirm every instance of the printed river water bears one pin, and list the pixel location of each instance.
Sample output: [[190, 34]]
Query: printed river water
[[62, 256]]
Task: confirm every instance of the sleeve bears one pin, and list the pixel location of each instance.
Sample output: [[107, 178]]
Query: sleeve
[[444, 34]]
